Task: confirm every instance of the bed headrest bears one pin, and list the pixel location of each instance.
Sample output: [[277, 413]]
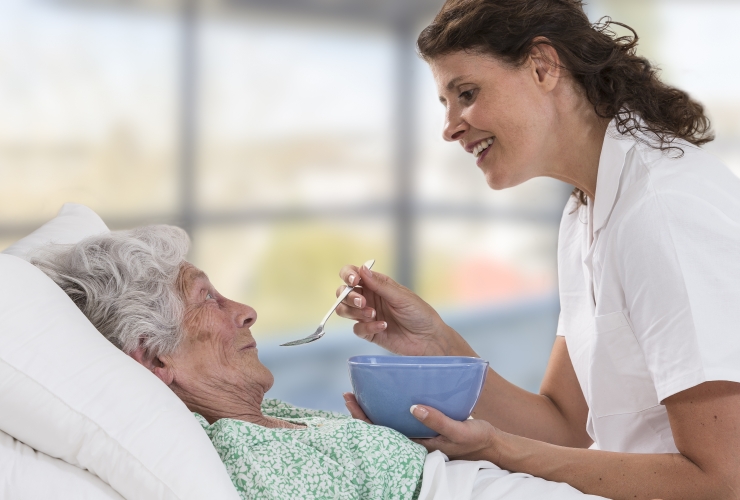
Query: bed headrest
[[67, 392]]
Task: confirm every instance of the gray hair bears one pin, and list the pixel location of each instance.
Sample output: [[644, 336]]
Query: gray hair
[[125, 282]]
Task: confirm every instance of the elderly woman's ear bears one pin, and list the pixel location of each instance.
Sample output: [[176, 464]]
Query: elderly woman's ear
[[154, 364]]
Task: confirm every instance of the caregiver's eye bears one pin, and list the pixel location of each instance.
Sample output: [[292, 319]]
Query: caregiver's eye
[[468, 96]]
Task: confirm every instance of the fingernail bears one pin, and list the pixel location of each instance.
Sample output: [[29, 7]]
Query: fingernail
[[383, 325], [351, 279], [358, 301], [368, 270], [346, 396], [370, 313], [419, 412]]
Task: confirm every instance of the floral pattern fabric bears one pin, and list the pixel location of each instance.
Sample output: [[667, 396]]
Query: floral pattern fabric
[[334, 457]]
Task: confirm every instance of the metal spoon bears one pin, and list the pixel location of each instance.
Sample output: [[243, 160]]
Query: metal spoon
[[320, 330]]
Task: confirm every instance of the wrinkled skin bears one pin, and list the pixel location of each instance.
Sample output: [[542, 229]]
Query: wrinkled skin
[[215, 369]]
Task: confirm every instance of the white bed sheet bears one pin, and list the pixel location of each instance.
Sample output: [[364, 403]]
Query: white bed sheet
[[466, 480]]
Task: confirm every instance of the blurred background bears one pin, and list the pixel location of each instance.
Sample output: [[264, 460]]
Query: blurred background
[[291, 137]]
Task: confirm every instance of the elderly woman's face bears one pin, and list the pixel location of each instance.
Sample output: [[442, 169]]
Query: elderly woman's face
[[218, 351], [488, 101]]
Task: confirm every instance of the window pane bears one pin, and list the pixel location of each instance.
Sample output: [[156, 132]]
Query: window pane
[[467, 264], [698, 63], [88, 100], [293, 115]]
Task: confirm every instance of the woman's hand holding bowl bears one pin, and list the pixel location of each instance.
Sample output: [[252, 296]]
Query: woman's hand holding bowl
[[350, 401], [395, 318], [468, 440]]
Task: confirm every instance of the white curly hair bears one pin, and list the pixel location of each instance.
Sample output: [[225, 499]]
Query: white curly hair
[[125, 283]]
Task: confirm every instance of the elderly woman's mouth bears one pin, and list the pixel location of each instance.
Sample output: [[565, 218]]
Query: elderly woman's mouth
[[251, 345]]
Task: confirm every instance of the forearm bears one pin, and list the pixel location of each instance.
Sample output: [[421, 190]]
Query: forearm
[[516, 411], [612, 475]]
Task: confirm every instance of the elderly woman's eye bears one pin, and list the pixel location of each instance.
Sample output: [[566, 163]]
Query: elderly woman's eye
[[209, 296]]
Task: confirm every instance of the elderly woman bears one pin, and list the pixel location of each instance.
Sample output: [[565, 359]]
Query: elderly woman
[[139, 291]]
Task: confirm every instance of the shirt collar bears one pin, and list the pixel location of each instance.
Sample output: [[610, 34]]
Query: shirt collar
[[613, 156]]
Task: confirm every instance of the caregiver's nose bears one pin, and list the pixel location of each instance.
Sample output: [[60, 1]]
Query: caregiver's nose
[[453, 130]]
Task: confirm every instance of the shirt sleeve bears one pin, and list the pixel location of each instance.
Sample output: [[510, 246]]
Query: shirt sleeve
[[678, 259]]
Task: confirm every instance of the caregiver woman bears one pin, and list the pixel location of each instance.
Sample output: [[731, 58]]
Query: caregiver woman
[[646, 363]]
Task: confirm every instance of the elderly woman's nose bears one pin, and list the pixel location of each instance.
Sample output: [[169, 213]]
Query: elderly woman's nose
[[244, 315]]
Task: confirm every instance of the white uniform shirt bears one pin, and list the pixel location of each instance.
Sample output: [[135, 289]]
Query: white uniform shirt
[[649, 279]]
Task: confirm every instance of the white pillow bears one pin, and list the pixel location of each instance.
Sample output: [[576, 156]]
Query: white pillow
[[73, 223], [69, 393], [26, 474]]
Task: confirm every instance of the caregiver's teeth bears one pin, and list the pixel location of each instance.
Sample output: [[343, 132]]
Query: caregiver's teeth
[[479, 148]]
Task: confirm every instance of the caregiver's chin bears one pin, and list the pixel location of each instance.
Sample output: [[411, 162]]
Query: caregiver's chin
[[535, 117]]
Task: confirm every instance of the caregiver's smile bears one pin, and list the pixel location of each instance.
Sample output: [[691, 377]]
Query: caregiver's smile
[[479, 149]]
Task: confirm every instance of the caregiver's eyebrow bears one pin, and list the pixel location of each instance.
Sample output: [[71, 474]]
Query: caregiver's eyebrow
[[455, 81]]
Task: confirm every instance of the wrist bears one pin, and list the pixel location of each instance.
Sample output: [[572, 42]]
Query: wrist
[[500, 448], [453, 344], [518, 454]]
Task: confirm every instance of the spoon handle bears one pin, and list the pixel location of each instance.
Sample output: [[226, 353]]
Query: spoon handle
[[343, 295]]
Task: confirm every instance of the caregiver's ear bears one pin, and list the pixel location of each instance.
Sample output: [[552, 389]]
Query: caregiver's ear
[[154, 364], [546, 65]]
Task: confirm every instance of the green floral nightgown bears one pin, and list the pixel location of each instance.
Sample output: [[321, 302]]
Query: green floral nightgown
[[334, 457]]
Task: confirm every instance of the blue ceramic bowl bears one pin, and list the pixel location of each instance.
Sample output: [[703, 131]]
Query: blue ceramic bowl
[[387, 386]]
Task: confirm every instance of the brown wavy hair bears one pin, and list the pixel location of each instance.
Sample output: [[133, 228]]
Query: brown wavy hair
[[618, 83]]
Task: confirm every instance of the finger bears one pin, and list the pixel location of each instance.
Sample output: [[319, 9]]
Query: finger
[[365, 314], [354, 298], [354, 407], [384, 286], [437, 421], [350, 275], [368, 330]]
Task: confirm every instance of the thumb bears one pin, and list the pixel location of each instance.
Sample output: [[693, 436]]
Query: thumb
[[383, 286], [437, 421]]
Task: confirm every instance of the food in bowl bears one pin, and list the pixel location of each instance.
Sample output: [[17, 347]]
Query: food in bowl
[[387, 386]]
